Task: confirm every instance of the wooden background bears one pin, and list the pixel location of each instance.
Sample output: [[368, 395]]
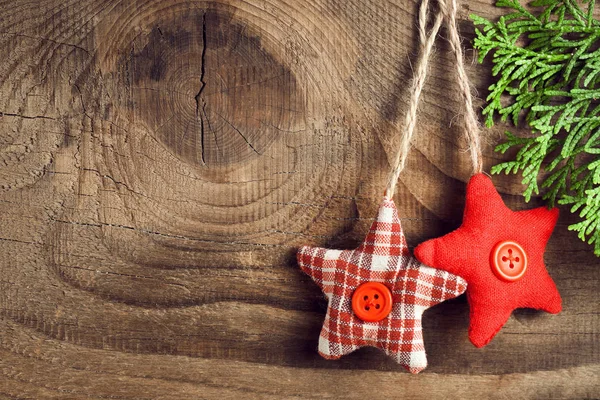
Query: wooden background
[[160, 163]]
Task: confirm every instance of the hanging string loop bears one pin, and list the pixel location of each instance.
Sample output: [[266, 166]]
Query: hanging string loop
[[446, 12]]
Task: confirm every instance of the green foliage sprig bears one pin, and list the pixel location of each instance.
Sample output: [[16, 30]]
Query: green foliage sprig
[[548, 69]]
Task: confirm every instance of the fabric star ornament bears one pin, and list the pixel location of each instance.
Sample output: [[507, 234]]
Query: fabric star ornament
[[500, 253], [377, 293]]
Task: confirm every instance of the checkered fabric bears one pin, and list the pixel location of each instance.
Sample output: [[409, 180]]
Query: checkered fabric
[[383, 257]]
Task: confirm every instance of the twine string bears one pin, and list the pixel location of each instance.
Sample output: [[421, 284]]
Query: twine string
[[472, 127], [447, 11], [425, 46]]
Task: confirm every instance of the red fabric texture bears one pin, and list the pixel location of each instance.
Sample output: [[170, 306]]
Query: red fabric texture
[[383, 257], [466, 253]]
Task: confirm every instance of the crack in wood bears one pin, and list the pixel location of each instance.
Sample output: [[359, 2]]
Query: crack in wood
[[4, 114], [47, 40], [239, 132], [198, 97], [150, 232]]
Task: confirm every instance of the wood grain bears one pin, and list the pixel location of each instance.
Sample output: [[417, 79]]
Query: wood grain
[[160, 163]]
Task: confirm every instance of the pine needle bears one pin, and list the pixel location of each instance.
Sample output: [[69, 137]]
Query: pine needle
[[548, 71]]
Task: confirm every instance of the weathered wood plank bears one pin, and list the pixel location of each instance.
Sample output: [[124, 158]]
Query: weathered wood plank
[[160, 163]]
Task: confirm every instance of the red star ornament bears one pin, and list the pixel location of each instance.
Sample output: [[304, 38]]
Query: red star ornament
[[377, 293], [500, 253]]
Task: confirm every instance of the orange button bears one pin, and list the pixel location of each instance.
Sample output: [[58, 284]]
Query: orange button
[[509, 261], [372, 301]]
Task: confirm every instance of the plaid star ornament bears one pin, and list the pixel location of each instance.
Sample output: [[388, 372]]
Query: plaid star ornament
[[377, 293], [500, 253]]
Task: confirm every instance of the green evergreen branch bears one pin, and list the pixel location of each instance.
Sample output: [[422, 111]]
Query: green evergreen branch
[[548, 71]]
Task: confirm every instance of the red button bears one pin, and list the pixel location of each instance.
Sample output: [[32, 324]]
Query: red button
[[372, 301], [509, 261]]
